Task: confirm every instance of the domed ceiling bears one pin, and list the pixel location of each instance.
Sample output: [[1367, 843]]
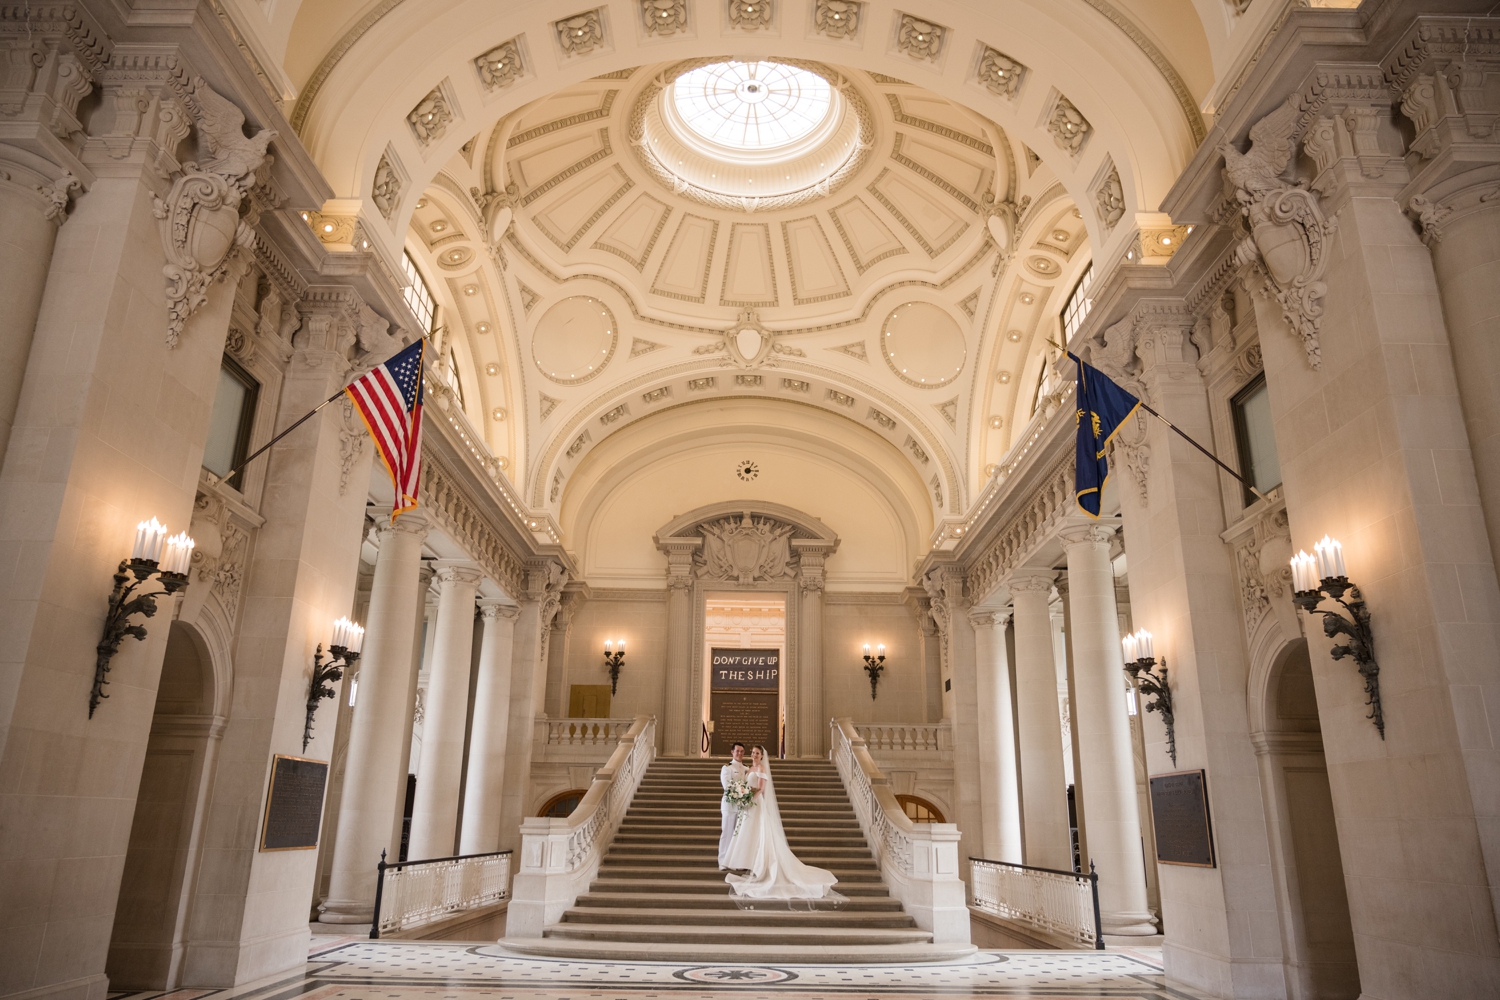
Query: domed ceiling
[[715, 228]]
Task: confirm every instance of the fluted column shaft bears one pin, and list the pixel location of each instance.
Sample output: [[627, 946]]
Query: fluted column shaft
[[812, 727], [27, 235], [371, 777], [1044, 790], [1102, 727], [999, 791], [486, 779], [434, 820], [676, 741]]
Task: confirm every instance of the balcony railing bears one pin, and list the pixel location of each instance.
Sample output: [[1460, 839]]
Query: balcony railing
[[586, 732], [932, 737], [1058, 902], [412, 893]]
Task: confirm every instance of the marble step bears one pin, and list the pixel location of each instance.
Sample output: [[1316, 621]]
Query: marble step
[[844, 872], [712, 884], [738, 934], [766, 952], [710, 839], [836, 863], [720, 899], [647, 916]]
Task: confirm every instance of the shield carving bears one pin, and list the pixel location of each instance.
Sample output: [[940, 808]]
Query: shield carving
[[745, 551]]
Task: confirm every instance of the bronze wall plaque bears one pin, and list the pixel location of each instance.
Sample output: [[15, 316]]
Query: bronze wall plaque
[[294, 804], [1179, 809], [748, 717]]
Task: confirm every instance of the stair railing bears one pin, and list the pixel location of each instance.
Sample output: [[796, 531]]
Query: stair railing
[[919, 861], [411, 893], [1047, 899], [560, 857]]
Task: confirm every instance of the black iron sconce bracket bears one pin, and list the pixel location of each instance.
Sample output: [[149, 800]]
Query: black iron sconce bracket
[[322, 676], [1154, 685], [124, 602], [613, 662], [1361, 644], [874, 666]]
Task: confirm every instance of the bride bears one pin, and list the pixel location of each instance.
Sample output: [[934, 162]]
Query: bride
[[760, 847]]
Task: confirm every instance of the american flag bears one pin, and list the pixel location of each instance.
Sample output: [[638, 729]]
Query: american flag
[[389, 401]]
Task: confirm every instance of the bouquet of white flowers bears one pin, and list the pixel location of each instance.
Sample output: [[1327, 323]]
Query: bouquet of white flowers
[[739, 795]]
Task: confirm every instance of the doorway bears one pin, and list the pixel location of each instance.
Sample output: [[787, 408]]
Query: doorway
[[1317, 937], [744, 640], [156, 888]]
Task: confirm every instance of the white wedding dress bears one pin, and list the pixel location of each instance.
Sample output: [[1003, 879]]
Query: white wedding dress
[[760, 846]]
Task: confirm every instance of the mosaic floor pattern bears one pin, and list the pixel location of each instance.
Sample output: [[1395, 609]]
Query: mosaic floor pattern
[[420, 970]]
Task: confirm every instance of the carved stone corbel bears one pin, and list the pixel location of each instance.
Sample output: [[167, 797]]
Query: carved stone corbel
[[1288, 230], [200, 217]]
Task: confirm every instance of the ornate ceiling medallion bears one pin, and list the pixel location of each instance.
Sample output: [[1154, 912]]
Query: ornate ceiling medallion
[[751, 137], [574, 340], [923, 345]]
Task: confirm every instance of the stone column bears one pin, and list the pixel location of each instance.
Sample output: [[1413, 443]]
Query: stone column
[[371, 777], [1044, 790], [1101, 725], [538, 604], [812, 727], [999, 791], [555, 706], [945, 589], [434, 819], [487, 741], [676, 740]]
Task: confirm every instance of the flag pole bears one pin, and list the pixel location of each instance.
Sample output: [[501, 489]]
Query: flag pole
[[1180, 432], [263, 448]]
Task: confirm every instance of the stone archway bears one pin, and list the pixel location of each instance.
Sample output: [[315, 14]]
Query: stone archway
[[745, 546]]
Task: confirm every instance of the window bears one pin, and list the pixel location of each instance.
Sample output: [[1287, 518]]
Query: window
[[919, 810], [752, 105], [1078, 304], [1255, 438], [560, 806], [418, 295], [1041, 384], [229, 426]]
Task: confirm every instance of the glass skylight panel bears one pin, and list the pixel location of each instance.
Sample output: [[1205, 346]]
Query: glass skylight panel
[[756, 105]]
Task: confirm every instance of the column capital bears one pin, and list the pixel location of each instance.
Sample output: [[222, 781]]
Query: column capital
[[1082, 531], [988, 618], [495, 609], [413, 522], [1030, 581], [458, 571]]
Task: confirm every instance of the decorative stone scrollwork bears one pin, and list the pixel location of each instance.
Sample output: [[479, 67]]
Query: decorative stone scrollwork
[[385, 192], [500, 66], [449, 507], [664, 17], [57, 194], [1262, 560], [750, 15], [1288, 231], [746, 550], [581, 33], [1110, 199], [1034, 522], [920, 39], [200, 217], [999, 73], [836, 18], [430, 119], [1430, 216], [1068, 126]]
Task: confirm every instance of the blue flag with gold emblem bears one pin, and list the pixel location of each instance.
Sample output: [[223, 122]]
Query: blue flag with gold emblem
[[1103, 408]]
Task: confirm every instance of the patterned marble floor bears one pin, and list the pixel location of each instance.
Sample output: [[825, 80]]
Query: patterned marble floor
[[420, 970]]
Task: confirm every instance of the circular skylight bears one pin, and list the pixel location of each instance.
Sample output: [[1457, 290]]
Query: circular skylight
[[751, 106]]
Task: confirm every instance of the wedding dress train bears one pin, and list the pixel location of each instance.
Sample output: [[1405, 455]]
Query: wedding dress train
[[760, 846]]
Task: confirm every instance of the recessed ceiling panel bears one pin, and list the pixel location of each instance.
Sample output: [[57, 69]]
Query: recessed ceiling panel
[[923, 345], [574, 340], [865, 236], [816, 274], [749, 274], [634, 233], [684, 269], [573, 207], [931, 223]]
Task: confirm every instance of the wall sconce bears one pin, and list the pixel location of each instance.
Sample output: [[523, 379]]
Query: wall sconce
[[614, 661], [1315, 578], [1140, 657], [874, 665], [348, 637], [146, 560]]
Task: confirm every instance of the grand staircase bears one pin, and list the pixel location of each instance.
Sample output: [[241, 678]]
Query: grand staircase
[[659, 895]]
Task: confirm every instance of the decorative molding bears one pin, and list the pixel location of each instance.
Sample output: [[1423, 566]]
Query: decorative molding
[[949, 410], [1033, 521], [385, 190], [430, 119], [751, 15], [500, 66], [836, 18], [855, 350], [657, 395], [547, 404], [450, 508], [880, 418], [999, 73], [1288, 230], [746, 550], [639, 346], [1109, 199], [920, 39], [580, 34], [916, 450], [664, 17], [1068, 126]]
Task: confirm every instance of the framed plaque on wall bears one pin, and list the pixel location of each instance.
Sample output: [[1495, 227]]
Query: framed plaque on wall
[[1179, 810], [294, 804], [744, 698]]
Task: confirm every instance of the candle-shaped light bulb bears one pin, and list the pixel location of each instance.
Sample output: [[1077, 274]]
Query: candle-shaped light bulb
[[1304, 572], [880, 649], [148, 540], [1145, 646], [356, 637], [179, 554], [867, 649], [609, 647], [1127, 643], [622, 646]]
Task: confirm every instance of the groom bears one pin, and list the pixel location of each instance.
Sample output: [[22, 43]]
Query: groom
[[732, 771]]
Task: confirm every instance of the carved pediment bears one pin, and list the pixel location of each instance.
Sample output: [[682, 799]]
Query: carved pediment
[[746, 549]]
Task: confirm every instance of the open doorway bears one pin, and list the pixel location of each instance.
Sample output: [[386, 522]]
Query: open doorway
[[147, 944], [1317, 937], [744, 639]]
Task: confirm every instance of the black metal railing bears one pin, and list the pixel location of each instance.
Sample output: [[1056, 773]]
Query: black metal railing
[[1049, 899], [412, 893]]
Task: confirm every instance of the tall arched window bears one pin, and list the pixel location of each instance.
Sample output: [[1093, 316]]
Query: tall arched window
[[1078, 304], [418, 295]]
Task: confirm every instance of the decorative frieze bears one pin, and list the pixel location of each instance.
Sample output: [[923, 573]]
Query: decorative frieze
[[836, 18], [750, 15], [999, 73], [1109, 199], [580, 34], [1035, 520], [451, 509], [663, 17], [385, 190], [501, 66], [1068, 126], [881, 419], [430, 119], [920, 39]]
